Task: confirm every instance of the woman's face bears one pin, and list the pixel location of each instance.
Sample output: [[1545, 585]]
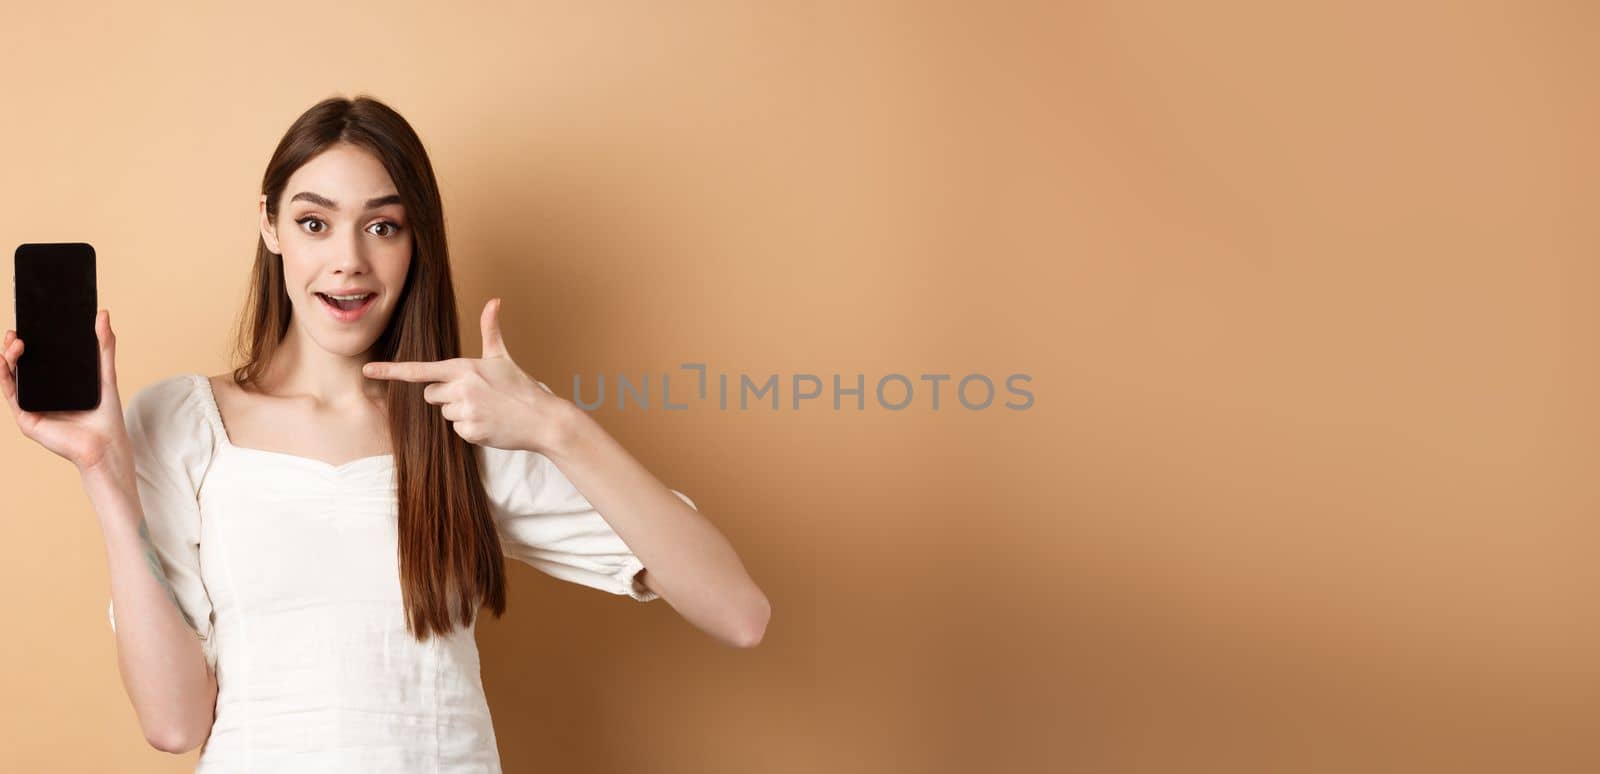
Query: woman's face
[[341, 231]]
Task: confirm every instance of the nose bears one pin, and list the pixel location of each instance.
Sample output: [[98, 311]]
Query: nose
[[352, 261]]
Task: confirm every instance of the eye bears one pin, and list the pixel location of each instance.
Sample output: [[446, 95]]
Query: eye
[[394, 228]]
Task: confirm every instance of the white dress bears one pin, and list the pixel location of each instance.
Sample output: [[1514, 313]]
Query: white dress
[[286, 568]]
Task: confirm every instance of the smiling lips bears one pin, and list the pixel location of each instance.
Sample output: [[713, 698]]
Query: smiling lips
[[347, 307]]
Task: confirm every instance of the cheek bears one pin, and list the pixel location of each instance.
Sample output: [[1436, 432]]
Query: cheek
[[296, 274], [395, 269]]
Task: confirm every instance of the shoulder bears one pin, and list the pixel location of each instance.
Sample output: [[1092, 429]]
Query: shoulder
[[520, 481], [163, 396], [170, 413], [508, 467]]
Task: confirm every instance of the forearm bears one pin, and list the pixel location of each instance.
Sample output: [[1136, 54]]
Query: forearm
[[162, 663], [691, 564]]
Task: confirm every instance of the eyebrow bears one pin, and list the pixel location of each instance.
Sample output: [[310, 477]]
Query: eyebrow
[[324, 201]]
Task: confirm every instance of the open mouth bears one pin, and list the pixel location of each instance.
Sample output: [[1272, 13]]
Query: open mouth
[[346, 308]]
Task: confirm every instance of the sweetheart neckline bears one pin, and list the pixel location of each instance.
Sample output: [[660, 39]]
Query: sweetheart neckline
[[215, 415]]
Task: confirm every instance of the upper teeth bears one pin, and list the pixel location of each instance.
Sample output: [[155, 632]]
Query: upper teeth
[[347, 298]]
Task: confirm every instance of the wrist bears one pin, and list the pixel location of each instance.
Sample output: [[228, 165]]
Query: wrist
[[111, 475], [114, 459], [111, 449], [569, 432]]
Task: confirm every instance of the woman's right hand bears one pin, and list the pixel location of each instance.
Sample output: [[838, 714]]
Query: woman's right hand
[[88, 438]]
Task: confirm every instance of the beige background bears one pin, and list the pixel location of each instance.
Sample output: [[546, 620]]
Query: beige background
[[1305, 294]]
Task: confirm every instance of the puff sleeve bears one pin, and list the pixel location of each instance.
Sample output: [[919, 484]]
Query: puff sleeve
[[172, 445], [543, 520]]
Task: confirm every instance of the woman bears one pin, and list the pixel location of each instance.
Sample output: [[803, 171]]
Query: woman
[[298, 549]]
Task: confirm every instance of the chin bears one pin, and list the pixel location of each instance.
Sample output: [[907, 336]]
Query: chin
[[348, 349]]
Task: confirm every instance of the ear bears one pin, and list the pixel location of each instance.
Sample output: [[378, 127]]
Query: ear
[[269, 232]]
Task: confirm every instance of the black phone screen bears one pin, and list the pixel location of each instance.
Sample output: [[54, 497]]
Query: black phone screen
[[56, 307]]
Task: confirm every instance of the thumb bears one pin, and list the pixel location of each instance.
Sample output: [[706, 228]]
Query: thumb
[[494, 344], [108, 354]]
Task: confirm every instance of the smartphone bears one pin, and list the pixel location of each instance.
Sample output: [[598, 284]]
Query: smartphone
[[54, 294]]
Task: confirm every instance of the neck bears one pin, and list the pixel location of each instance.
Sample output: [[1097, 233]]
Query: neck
[[302, 368]]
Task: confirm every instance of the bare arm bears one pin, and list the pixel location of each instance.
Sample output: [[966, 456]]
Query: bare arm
[[688, 561], [162, 663]]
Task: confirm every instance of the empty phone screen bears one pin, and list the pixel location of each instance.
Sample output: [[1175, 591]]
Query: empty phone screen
[[56, 306]]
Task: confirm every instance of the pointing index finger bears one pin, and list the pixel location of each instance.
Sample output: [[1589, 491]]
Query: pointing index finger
[[411, 370]]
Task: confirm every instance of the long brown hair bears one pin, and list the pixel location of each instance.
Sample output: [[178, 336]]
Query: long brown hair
[[449, 553]]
